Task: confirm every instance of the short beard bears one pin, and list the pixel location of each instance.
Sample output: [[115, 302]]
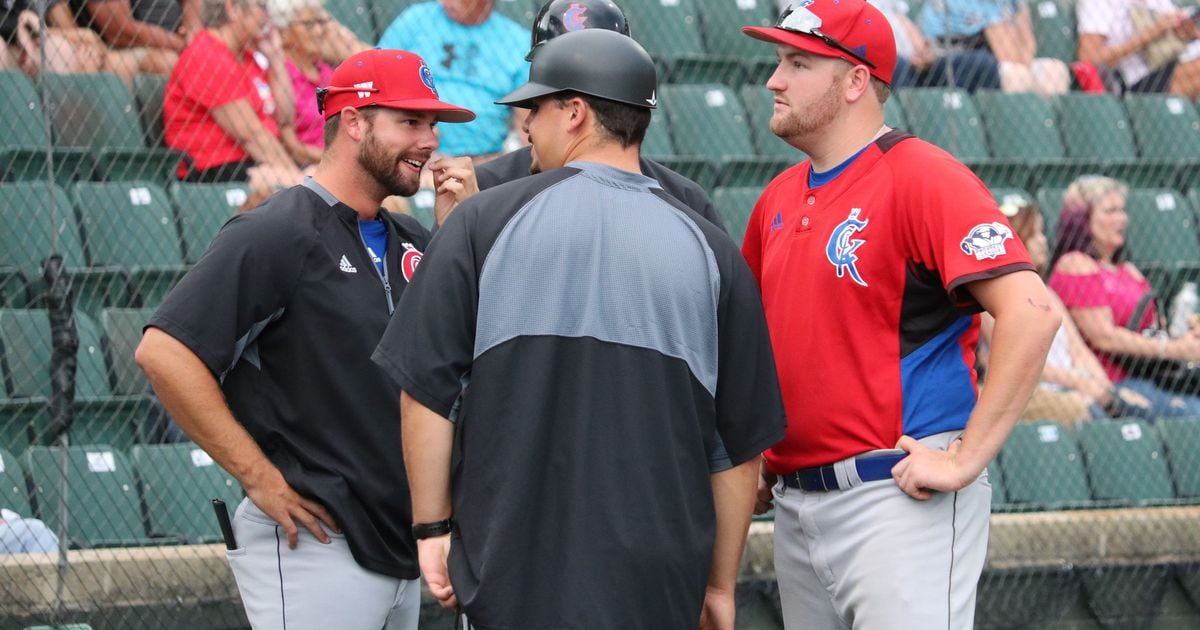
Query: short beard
[[382, 168], [796, 125]]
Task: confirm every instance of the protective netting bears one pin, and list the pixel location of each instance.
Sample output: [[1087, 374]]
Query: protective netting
[[132, 132]]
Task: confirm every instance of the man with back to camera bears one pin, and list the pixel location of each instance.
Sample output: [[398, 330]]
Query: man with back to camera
[[262, 355], [564, 16], [587, 377], [874, 259]]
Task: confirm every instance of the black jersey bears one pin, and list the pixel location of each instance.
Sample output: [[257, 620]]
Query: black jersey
[[515, 165], [285, 308], [602, 351]]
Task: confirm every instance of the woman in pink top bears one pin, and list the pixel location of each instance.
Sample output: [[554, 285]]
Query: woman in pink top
[[1102, 291]]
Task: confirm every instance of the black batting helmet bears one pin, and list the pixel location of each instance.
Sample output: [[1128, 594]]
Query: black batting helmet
[[564, 16], [595, 62]]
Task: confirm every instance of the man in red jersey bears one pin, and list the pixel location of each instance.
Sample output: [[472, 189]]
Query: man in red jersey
[[875, 258]]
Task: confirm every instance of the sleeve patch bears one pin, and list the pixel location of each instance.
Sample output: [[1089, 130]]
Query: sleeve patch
[[986, 240]]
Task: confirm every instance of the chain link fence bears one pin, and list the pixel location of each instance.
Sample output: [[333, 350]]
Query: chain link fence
[[106, 199]]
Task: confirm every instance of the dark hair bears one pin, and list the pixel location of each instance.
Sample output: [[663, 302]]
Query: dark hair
[[622, 123], [331, 125], [1074, 231]]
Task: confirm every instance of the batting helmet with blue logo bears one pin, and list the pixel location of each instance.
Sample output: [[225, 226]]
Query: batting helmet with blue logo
[[595, 62], [564, 16]]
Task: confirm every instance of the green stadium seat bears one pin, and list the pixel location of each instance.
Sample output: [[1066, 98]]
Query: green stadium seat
[[23, 156], [657, 142], [948, 118], [1167, 128], [148, 89], [1023, 597], [1050, 201], [122, 334], [179, 482], [996, 478], [356, 16], [97, 112], [677, 44], [734, 206], [893, 113], [725, 139], [698, 169], [1054, 28], [1161, 237], [721, 22], [1126, 463], [202, 210], [1096, 132], [1125, 596], [1181, 438], [13, 493], [1023, 127], [760, 105], [1042, 467], [132, 225], [101, 493]]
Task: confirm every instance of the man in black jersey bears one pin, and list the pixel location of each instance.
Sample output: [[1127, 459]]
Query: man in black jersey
[[262, 355]]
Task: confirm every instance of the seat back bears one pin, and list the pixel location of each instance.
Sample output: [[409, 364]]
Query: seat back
[[760, 105], [657, 142], [22, 121], [1054, 28], [148, 89], [93, 110], [1050, 201], [734, 205], [1019, 126], [101, 493], [128, 224], [675, 25], [25, 338], [122, 333], [1181, 438], [202, 210], [1094, 126], [1125, 461], [1042, 466], [1165, 126], [179, 482], [37, 220], [706, 120], [946, 117], [13, 493], [722, 38], [1162, 227]]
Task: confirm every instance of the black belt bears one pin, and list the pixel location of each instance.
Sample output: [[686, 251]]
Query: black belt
[[824, 478]]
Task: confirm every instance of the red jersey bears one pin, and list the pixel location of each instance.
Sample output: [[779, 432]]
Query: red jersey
[[863, 281], [206, 77]]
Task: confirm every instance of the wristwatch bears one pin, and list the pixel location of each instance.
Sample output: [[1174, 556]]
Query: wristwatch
[[422, 531]]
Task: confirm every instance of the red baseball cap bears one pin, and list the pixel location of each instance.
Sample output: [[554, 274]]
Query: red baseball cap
[[853, 30], [388, 78]]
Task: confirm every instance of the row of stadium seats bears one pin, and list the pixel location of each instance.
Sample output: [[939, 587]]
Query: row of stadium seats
[[161, 497], [1124, 462], [110, 390], [125, 243]]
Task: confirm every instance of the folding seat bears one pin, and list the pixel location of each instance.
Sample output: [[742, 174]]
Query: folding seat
[[148, 90], [36, 221], [103, 506], [1043, 468], [1167, 128], [720, 24], [657, 142], [98, 414], [13, 493], [999, 492], [1181, 437], [1022, 597], [734, 205], [948, 118], [23, 156], [760, 105], [677, 43], [708, 121], [1054, 28], [1126, 463], [1023, 127], [1097, 134], [1161, 237], [179, 482], [202, 210], [122, 333], [98, 113], [1050, 201], [356, 16], [132, 225]]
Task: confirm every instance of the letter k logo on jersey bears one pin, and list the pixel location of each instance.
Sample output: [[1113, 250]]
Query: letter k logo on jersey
[[841, 248]]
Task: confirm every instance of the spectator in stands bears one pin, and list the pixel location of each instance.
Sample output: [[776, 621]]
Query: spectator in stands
[[478, 57], [921, 64], [24, 535], [1109, 38], [228, 97], [313, 42], [152, 32], [1003, 29], [68, 48], [1109, 298], [1074, 386]]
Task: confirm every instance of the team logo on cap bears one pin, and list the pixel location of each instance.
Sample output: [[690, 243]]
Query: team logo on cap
[[427, 78], [409, 261], [574, 18], [841, 247], [986, 240]]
